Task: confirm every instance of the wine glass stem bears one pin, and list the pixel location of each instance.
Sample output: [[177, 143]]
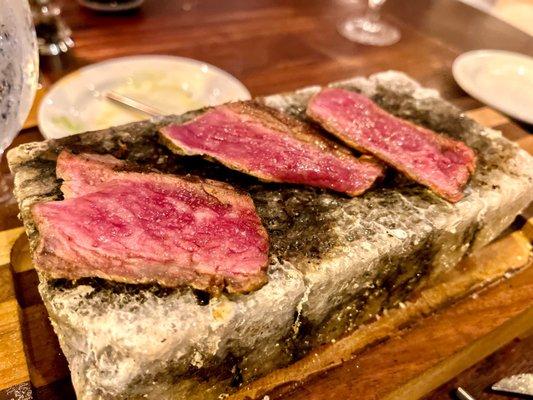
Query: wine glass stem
[[374, 8]]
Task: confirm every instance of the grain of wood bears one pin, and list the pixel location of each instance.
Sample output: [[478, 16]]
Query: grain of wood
[[489, 340], [26, 287], [7, 288], [427, 354], [514, 358], [488, 117], [13, 367], [45, 361], [528, 229], [526, 143], [7, 239], [14, 374], [20, 255]]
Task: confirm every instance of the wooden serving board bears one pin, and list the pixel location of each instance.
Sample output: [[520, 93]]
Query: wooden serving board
[[405, 354]]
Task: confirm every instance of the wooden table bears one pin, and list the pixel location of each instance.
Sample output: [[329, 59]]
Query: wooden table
[[278, 45]]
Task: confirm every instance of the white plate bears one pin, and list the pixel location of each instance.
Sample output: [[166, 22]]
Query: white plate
[[501, 79], [173, 85]]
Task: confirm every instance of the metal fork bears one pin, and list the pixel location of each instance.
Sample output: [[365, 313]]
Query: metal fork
[[134, 104]]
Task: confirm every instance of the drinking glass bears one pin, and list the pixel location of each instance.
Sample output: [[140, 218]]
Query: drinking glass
[[53, 35], [19, 71], [369, 28]]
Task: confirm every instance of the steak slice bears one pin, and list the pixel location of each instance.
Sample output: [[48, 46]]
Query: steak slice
[[83, 173], [438, 162], [271, 146], [150, 228]]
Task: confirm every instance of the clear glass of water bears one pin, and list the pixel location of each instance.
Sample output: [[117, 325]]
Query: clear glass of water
[[19, 72], [370, 28]]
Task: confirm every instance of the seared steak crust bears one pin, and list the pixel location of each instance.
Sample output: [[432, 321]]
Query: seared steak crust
[[149, 228], [438, 162], [271, 146]]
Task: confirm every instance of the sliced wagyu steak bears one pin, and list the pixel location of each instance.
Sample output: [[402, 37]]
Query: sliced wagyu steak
[[150, 228], [83, 173], [438, 162], [271, 146]]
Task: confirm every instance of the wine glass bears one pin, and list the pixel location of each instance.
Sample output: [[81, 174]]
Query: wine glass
[[19, 72], [53, 35], [369, 28]]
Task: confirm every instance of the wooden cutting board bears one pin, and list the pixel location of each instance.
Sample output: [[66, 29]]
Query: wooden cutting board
[[405, 354]]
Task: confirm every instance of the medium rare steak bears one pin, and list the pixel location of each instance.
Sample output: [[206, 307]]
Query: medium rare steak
[[271, 146], [83, 173], [143, 228], [438, 162]]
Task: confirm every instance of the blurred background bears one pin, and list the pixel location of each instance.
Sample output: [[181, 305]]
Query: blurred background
[[516, 12], [266, 43]]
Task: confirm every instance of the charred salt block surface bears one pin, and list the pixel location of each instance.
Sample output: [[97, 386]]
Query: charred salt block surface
[[334, 261]]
